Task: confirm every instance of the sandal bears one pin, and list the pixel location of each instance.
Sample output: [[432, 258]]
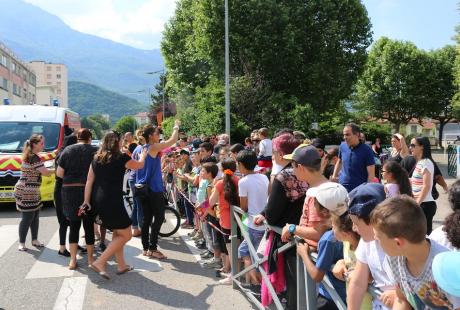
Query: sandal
[[147, 253], [157, 254], [103, 274], [22, 248], [125, 270], [73, 267], [37, 244]]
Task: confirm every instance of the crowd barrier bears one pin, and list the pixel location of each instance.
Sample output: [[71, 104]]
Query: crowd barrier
[[306, 286]]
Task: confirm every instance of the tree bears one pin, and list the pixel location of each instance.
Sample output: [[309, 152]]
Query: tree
[[97, 124], [159, 98], [442, 87], [393, 82], [125, 124]]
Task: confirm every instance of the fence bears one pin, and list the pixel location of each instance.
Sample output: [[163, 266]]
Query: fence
[[452, 160], [306, 286]]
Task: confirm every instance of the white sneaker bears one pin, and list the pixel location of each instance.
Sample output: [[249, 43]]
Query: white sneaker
[[226, 281]]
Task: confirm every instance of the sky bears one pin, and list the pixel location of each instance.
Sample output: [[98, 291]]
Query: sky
[[430, 24]]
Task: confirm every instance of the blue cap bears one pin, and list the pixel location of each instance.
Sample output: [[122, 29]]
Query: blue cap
[[446, 272], [364, 198]]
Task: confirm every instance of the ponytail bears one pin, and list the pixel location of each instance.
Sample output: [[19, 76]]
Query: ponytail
[[27, 152], [230, 188]]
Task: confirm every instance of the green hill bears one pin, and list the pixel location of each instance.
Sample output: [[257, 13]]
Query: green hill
[[88, 99]]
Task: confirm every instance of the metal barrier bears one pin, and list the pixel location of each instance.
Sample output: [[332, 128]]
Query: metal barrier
[[306, 286], [452, 160]]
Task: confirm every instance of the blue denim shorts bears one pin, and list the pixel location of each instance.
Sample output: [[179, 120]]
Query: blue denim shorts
[[255, 236]]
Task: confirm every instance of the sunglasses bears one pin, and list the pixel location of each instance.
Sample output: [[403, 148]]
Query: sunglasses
[[412, 145]]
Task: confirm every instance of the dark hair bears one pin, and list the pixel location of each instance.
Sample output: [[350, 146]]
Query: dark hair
[[207, 146], [68, 141], [84, 134], [400, 175], [400, 216], [149, 130], [247, 158], [283, 131], [230, 188], [345, 224], [247, 140], [210, 168], [452, 221], [110, 148], [354, 128], [332, 152], [425, 143], [236, 148], [27, 152]]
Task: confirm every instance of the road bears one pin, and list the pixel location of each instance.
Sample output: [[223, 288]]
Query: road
[[39, 279]]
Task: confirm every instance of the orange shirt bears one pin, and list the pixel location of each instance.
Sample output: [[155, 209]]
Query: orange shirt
[[224, 206]]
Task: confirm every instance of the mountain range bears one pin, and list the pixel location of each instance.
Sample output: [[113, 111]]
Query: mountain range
[[34, 34]]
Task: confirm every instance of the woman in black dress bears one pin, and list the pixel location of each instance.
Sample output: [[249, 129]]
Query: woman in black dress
[[104, 191]]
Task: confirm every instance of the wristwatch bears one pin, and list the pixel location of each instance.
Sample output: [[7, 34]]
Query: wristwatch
[[291, 229]]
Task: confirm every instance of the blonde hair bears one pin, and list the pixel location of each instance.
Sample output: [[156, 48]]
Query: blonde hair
[[27, 152]]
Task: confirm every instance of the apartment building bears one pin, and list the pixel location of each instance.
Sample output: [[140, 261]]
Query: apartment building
[[52, 82], [17, 79]]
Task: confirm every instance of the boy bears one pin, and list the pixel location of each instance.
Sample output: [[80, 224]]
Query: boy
[[400, 226], [369, 254], [330, 200], [253, 193], [265, 149]]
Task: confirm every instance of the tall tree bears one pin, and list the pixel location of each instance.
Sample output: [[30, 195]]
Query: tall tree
[[393, 82], [125, 124], [442, 87]]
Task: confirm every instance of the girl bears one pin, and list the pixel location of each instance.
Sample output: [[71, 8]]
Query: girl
[[342, 226], [396, 180], [27, 190]]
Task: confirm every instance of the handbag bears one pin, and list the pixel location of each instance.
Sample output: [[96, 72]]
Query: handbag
[[141, 190]]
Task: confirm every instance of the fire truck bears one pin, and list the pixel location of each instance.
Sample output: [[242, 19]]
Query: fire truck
[[17, 124]]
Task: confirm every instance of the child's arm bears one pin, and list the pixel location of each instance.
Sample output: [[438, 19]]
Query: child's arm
[[244, 203], [358, 286], [313, 232], [316, 274]]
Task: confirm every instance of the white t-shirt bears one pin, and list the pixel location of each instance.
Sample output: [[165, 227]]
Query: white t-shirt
[[371, 254], [440, 237], [265, 147], [276, 168], [417, 178], [255, 188]]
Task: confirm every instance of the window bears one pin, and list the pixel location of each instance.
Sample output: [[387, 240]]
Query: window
[[16, 90], [5, 84], [13, 66], [48, 76], [3, 60], [58, 91], [58, 83], [58, 76], [413, 129], [48, 68], [58, 68]]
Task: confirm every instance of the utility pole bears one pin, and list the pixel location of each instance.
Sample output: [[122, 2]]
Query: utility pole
[[227, 74]]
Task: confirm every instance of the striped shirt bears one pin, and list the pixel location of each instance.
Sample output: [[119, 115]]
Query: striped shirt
[[27, 190], [417, 178]]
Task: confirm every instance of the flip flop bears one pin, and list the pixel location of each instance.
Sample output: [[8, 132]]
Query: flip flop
[[22, 249], [127, 268], [38, 244], [158, 255], [73, 267], [103, 274]]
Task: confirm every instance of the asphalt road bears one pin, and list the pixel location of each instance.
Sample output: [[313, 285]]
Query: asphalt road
[[39, 279]]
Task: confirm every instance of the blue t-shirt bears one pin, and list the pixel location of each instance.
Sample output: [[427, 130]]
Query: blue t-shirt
[[135, 155], [329, 252], [151, 173], [354, 164]]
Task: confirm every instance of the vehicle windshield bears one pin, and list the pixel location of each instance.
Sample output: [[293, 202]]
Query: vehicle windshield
[[13, 135]]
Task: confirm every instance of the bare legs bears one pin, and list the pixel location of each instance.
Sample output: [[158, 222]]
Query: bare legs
[[115, 248]]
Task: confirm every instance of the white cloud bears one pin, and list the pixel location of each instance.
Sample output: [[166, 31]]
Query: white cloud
[[138, 23]]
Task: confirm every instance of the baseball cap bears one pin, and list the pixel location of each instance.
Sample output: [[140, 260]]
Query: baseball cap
[[364, 198], [446, 272], [305, 155], [184, 151], [332, 196]]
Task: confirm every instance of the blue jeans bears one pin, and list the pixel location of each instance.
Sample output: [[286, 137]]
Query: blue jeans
[[137, 217], [188, 211], [256, 237]]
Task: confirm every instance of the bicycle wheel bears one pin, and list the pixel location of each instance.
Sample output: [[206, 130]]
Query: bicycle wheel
[[171, 223]]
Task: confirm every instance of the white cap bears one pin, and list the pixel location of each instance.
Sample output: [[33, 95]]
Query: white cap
[[332, 196]]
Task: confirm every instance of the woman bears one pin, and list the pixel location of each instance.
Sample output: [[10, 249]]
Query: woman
[[136, 215], [27, 190], [73, 169], [285, 206], [104, 188], [399, 148], [63, 222], [422, 179]]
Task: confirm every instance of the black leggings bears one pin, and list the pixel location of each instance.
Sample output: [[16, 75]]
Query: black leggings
[[29, 220], [153, 206], [63, 222], [429, 208], [88, 226]]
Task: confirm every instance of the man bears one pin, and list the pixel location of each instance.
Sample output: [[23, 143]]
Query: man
[[356, 164]]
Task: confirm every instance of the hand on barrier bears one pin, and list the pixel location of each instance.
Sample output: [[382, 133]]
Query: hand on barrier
[[285, 234], [303, 249], [259, 220], [388, 298], [339, 270]]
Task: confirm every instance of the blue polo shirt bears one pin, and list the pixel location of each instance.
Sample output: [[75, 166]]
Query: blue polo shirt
[[354, 164]]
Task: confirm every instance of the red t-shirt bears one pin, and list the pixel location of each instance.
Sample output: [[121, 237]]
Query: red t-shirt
[[224, 206]]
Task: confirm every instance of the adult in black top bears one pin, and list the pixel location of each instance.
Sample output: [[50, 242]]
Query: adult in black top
[[73, 169], [399, 148], [285, 206], [63, 222], [104, 193]]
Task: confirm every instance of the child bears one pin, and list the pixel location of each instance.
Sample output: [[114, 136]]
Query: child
[[265, 149], [400, 227], [253, 193], [369, 254], [396, 180], [448, 234], [330, 199], [342, 226]]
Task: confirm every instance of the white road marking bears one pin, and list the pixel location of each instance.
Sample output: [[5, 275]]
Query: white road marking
[[72, 294], [9, 235], [50, 264], [183, 233], [134, 257]]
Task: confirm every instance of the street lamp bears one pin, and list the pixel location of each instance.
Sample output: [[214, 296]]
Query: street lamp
[[162, 71]]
